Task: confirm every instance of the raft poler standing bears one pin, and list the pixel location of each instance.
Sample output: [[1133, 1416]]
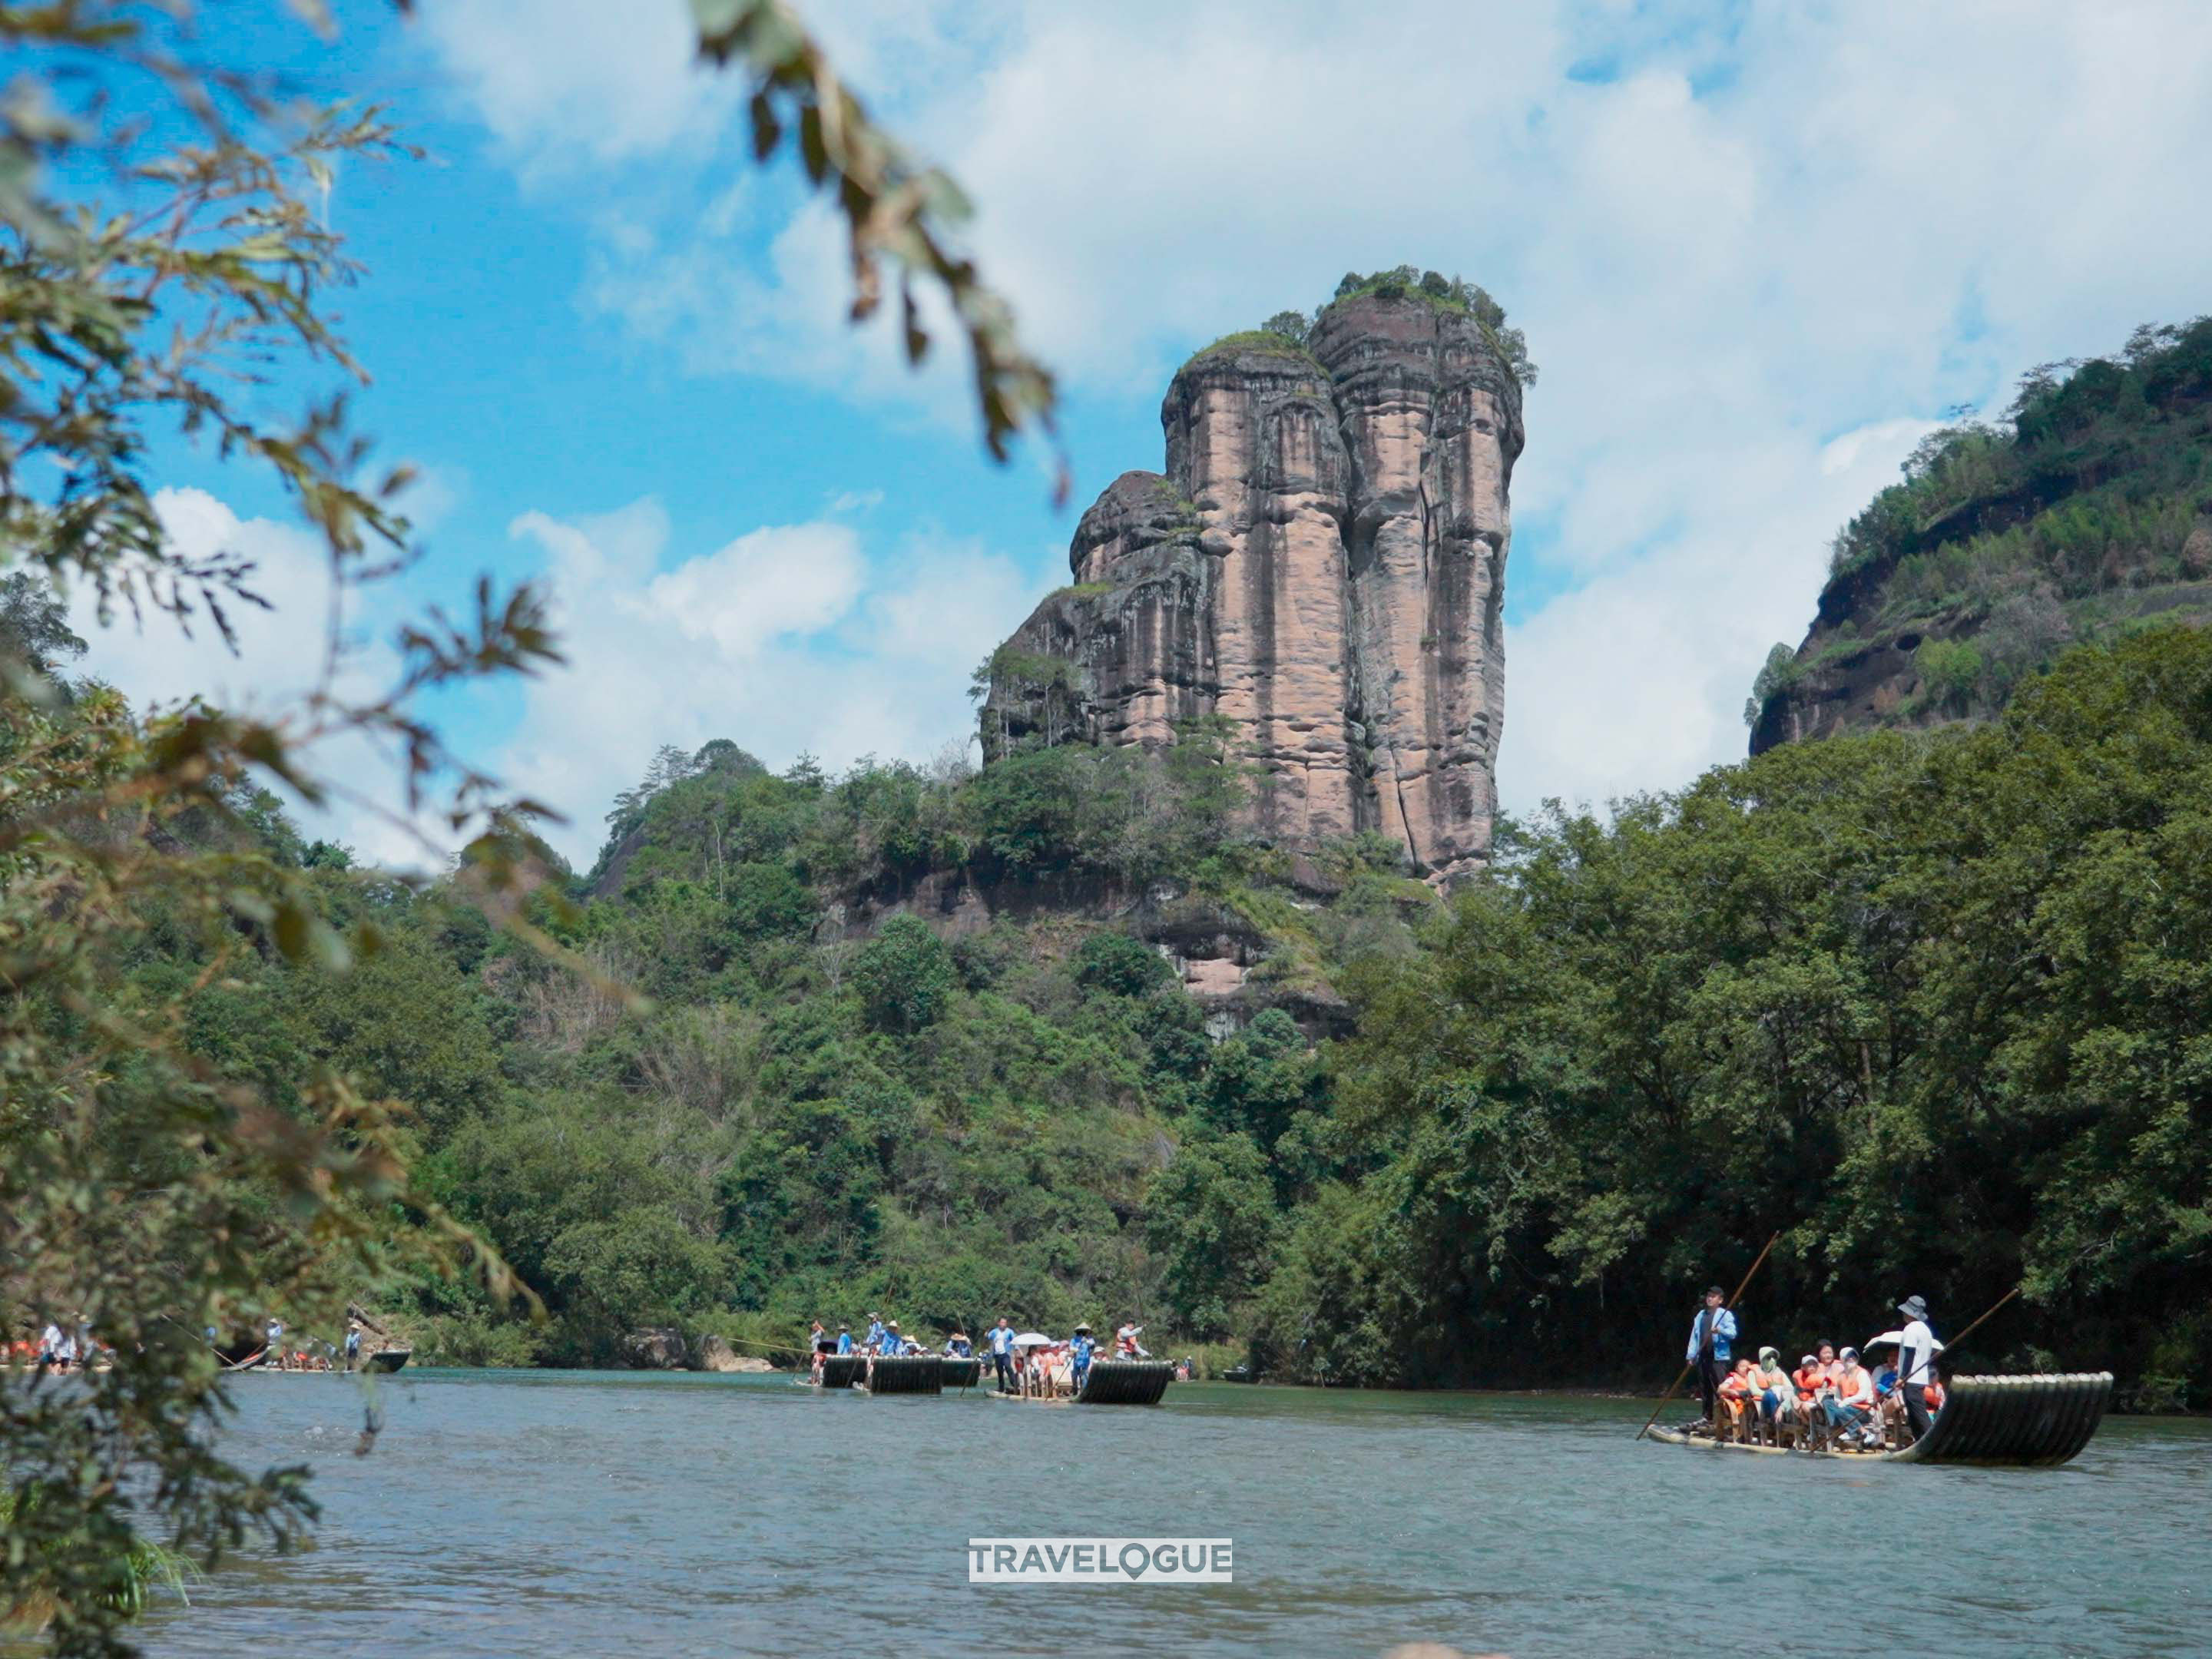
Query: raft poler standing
[[1917, 1349], [1082, 1348], [1711, 1332], [1002, 1353]]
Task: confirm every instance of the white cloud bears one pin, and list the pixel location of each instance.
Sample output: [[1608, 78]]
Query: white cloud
[[564, 83], [1731, 234], [786, 639], [1644, 669], [282, 653]]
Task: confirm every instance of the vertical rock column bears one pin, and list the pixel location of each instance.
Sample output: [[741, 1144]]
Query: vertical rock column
[[1321, 565], [1253, 443], [1431, 423]]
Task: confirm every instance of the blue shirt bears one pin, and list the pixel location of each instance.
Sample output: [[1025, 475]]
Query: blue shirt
[[875, 1337], [1083, 1346], [1723, 1333], [1002, 1339], [959, 1348], [844, 1342]]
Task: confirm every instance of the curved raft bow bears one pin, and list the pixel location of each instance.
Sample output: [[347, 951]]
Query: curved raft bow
[[1125, 1382], [2019, 1422], [2022, 1421]]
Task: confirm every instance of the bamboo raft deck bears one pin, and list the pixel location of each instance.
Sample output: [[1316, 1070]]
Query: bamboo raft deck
[[2008, 1422]]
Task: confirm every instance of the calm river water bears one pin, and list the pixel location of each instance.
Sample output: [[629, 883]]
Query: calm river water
[[554, 1513]]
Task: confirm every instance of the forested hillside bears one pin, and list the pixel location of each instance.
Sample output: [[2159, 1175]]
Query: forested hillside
[[1930, 1004], [2086, 515]]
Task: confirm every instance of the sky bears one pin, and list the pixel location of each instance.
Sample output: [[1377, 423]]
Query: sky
[[1759, 251]]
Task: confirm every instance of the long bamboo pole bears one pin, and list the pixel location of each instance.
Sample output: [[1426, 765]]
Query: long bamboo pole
[[1976, 1326], [1685, 1373]]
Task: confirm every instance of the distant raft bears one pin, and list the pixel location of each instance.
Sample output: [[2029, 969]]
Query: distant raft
[[920, 1373], [1125, 1382], [2014, 1422], [962, 1373], [841, 1370], [2017, 1421]]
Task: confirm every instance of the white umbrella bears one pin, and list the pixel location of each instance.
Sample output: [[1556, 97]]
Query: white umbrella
[[1033, 1340]]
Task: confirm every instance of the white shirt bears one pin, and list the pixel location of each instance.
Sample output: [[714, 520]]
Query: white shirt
[[50, 1338], [1915, 1354]]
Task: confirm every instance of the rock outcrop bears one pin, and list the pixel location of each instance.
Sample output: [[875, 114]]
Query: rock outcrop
[[1321, 565]]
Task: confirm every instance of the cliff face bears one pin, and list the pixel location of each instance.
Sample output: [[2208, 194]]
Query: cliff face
[[1321, 565]]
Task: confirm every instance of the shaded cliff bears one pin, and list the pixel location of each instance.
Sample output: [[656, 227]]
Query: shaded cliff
[[2088, 516], [1321, 566]]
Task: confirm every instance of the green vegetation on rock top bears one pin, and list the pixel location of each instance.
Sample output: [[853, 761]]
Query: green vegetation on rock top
[[1264, 340]]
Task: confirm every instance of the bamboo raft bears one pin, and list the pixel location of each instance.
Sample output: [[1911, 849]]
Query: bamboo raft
[[2013, 1422], [962, 1373], [913, 1373], [843, 1371], [1125, 1382]]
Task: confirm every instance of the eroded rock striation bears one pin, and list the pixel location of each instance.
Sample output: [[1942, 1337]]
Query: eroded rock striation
[[1321, 565]]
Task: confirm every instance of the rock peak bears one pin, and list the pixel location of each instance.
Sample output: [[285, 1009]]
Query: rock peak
[[1321, 564]]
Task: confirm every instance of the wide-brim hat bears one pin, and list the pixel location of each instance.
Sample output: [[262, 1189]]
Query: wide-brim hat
[[1083, 1330], [1913, 1307]]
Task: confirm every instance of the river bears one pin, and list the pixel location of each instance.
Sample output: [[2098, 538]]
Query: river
[[553, 1513]]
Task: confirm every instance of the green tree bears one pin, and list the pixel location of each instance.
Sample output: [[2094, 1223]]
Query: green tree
[[166, 265], [1210, 1217], [904, 976]]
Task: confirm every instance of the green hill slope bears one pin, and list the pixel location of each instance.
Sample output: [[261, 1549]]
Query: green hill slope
[[2088, 517]]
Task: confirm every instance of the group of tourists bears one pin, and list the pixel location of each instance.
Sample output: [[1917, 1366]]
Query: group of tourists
[[60, 1348], [1023, 1362], [1832, 1397], [307, 1353]]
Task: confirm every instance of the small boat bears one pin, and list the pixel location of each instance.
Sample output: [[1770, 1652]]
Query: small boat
[[2016, 1422], [386, 1359], [1240, 1374]]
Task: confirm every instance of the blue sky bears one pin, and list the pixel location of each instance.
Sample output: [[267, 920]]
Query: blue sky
[[1757, 250]]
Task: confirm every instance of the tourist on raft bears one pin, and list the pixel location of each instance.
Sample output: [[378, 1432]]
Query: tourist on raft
[[1849, 1406], [1002, 1353], [956, 1346], [1126, 1345], [874, 1342], [844, 1339], [1732, 1396], [1711, 1332], [1775, 1389]]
